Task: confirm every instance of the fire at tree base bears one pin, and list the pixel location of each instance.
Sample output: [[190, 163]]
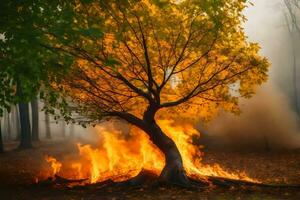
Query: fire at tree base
[[132, 159]]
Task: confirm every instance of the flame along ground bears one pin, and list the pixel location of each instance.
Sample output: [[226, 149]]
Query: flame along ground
[[120, 157]]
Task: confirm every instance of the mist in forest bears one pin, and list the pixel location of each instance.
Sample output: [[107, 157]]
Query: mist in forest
[[268, 121]]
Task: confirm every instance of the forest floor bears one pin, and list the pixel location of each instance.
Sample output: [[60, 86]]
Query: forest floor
[[18, 170]]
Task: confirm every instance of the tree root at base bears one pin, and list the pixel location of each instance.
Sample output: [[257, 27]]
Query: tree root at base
[[149, 179]]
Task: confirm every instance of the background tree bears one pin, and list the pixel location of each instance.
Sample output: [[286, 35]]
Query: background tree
[[7, 125], [16, 122], [142, 60], [1, 139], [5, 99], [25, 140], [35, 119], [25, 63]]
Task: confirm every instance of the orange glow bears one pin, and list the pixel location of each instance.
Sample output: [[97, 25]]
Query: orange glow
[[120, 157], [55, 165]]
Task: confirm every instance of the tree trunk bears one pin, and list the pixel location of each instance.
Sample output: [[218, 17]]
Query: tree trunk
[[16, 121], [25, 121], [47, 126], [1, 140], [7, 126], [173, 171], [35, 119], [25, 126]]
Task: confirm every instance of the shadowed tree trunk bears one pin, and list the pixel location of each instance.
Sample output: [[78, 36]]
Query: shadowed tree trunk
[[25, 140], [16, 122], [25, 126], [173, 171], [47, 126], [35, 119], [7, 126], [1, 140]]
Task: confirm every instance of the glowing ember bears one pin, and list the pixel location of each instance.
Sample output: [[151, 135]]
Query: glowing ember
[[119, 158]]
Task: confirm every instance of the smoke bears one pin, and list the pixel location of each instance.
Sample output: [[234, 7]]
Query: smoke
[[266, 123], [267, 120]]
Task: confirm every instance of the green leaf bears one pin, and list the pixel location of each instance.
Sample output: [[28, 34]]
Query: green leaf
[[112, 62], [92, 32]]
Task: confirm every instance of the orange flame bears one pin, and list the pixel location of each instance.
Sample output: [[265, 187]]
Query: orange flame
[[120, 158], [55, 165]]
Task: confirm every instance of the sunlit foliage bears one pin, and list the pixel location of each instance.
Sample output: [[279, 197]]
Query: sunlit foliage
[[133, 55], [106, 58]]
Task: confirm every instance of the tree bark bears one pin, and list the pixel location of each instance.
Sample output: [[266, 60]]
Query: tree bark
[[173, 171], [1, 140], [7, 126], [25, 142], [35, 119], [16, 120], [47, 126]]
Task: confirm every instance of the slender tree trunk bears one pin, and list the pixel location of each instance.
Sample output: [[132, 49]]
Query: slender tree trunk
[[9, 126], [1, 140], [47, 126], [173, 171], [35, 119], [25, 121], [16, 119], [25, 126]]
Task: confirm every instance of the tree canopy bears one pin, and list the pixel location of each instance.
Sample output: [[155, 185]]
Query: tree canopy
[[133, 55], [23, 58]]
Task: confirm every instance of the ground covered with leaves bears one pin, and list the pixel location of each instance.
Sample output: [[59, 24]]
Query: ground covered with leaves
[[19, 169]]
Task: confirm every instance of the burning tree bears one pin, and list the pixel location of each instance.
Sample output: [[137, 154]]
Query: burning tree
[[142, 60]]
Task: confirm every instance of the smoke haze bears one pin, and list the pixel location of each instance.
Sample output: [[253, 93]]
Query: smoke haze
[[268, 120], [266, 123]]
